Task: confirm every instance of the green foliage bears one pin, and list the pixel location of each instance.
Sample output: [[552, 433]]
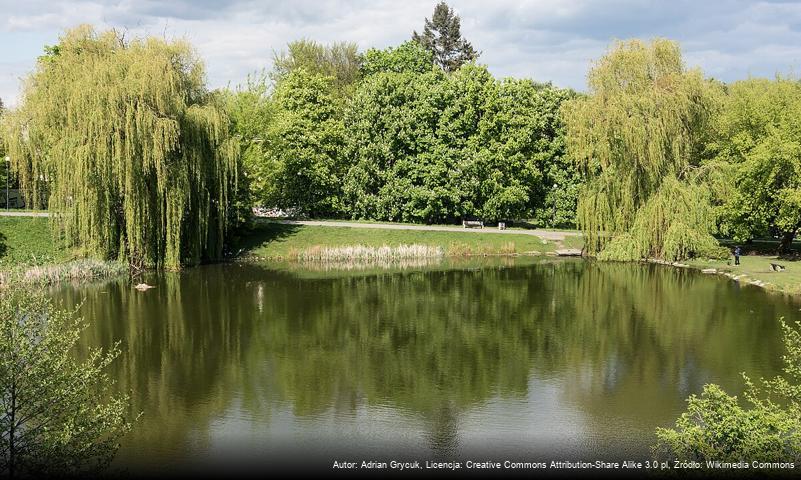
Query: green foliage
[[716, 427], [639, 136], [304, 162], [522, 136], [340, 61], [5, 167], [292, 137], [442, 36], [251, 111], [391, 123], [135, 154], [408, 57], [52, 423], [406, 143], [275, 240], [6, 175], [435, 148], [758, 144], [562, 178], [674, 205], [27, 241]]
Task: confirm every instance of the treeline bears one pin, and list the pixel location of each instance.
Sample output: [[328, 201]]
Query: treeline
[[672, 158], [389, 135], [654, 161]]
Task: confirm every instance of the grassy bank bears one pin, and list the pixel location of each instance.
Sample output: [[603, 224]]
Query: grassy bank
[[29, 255], [278, 241], [755, 269], [27, 241], [82, 270]]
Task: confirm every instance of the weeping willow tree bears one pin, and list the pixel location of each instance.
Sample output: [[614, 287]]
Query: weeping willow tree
[[638, 136], [131, 152]]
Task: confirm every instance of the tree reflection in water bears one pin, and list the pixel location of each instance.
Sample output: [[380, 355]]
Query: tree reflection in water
[[289, 353]]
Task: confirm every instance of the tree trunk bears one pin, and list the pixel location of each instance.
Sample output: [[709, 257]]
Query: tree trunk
[[787, 241], [12, 434]]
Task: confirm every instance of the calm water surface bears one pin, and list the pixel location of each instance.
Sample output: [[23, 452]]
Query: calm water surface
[[503, 359]]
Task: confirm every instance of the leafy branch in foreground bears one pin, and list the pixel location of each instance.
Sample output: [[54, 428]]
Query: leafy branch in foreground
[[716, 427], [51, 419]]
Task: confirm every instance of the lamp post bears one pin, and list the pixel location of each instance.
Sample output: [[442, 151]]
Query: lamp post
[[8, 177]]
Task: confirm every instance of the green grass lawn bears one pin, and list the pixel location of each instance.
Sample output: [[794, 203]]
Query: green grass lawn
[[573, 241], [273, 240], [757, 267], [29, 256], [27, 241]]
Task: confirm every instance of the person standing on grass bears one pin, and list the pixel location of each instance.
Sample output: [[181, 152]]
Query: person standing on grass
[[737, 255]]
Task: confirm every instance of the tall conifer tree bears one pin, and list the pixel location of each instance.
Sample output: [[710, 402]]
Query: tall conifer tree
[[443, 37]]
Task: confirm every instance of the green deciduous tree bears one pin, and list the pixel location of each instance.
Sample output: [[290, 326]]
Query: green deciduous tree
[[519, 155], [421, 145], [437, 148], [408, 57], [759, 140], [639, 137], [135, 153], [442, 36], [391, 125], [304, 164], [52, 422], [716, 427], [5, 168], [340, 60], [251, 111]]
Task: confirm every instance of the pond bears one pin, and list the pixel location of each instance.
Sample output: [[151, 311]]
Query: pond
[[243, 364]]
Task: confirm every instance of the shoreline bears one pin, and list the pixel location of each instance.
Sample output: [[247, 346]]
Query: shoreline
[[50, 274], [92, 270], [342, 242], [722, 268]]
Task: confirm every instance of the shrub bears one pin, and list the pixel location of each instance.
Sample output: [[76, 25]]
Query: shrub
[[716, 427], [52, 423]]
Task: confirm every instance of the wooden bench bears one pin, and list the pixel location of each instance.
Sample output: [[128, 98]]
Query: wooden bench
[[777, 268], [472, 224]]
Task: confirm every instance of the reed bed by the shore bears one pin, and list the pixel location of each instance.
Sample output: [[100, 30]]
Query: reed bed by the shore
[[358, 265], [273, 241], [384, 253], [76, 270]]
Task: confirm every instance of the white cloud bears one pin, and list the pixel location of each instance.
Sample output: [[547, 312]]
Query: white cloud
[[545, 39]]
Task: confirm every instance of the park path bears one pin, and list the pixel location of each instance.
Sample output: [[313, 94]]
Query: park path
[[11, 213], [554, 235]]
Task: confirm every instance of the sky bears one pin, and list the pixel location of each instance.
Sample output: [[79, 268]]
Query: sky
[[547, 40]]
